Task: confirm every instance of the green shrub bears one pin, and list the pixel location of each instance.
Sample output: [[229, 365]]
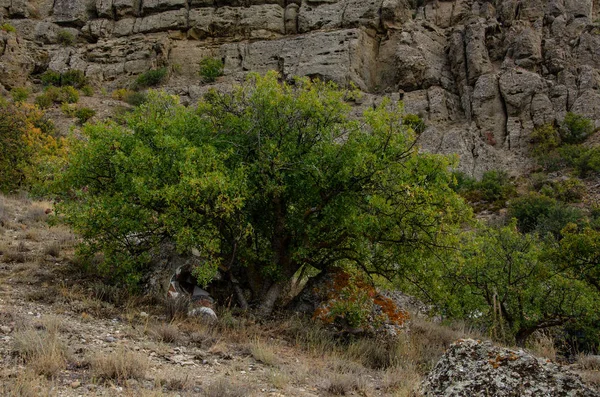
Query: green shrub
[[73, 77], [67, 109], [50, 77], [87, 90], [536, 212], [19, 94], [415, 122], [44, 101], [60, 95], [7, 27], [584, 160], [84, 114], [569, 190], [151, 78], [575, 128], [544, 139], [210, 69], [136, 98], [529, 209], [495, 187], [65, 37]]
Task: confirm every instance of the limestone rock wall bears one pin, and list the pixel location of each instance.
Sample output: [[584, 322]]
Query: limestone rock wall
[[483, 73]]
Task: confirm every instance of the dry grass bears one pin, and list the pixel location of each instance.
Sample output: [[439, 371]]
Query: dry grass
[[173, 380], [13, 255], [26, 384], [43, 351], [120, 365], [178, 308], [543, 346], [263, 353], [52, 249], [588, 362], [223, 387], [341, 384], [278, 379], [165, 332], [34, 214]]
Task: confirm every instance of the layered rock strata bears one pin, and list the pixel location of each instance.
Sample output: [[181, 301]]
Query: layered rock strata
[[482, 73]]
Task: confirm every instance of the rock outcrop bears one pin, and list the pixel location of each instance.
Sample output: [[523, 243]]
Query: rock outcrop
[[482, 73], [478, 369]]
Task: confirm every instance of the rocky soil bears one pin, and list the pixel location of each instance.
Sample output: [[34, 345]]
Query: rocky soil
[[482, 73]]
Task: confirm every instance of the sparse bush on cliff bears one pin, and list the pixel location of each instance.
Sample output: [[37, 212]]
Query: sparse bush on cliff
[[575, 128], [65, 37], [7, 27], [210, 69], [73, 77], [151, 78], [19, 94]]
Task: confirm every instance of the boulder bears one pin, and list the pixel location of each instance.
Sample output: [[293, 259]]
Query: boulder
[[480, 369]]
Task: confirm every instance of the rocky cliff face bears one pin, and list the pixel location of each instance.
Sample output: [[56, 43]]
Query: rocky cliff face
[[482, 73]]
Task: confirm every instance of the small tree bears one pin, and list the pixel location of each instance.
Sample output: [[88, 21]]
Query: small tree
[[261, 182], [506, 278]]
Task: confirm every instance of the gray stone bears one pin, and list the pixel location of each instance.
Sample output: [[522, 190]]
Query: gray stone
[[479, 369]]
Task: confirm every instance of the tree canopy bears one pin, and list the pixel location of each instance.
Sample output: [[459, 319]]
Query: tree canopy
[[261, 181]]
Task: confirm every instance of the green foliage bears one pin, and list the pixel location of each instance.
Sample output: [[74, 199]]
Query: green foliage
[[60, 95], [43, 101], [136, 98], [65, 37], [567, 190], [545, 139], [505, 277], [25, 143], [210, 69], [263, 180], [87, 90], [538, 213], [74, 78], [7, 27], [494, 188], [415, 122], [19, 94], [584, 160], [575, 128], [83, 114], [50, 77], [151, 78]]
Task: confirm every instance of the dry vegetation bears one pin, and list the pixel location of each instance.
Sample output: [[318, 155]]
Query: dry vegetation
[[69, 334]]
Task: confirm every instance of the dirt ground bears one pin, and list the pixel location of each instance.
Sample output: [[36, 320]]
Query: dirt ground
[[64, 333]]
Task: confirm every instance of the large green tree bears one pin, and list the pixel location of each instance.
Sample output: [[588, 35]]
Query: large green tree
[[261, 182]]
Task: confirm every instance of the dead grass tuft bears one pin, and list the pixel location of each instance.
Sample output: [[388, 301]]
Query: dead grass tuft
[[166, 333], [341, 384], [588, 362], [120, 365], [12, 255], [35, 213], [263, 353], [52, 249], [226, 388], [543, 346], [177, 308], [26, 384], [43, 351]]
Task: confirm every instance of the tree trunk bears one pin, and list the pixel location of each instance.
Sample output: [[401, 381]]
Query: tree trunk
[[268, 302], [523, 334]]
